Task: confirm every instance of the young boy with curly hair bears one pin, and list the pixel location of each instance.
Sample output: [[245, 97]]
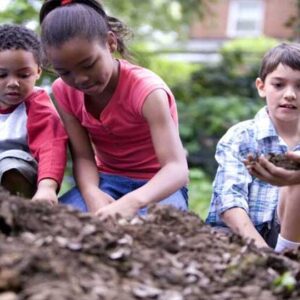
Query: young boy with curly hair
[[32, 139]]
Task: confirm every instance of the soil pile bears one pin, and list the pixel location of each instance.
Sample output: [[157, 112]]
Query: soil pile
[[59, 254], [280, 160]]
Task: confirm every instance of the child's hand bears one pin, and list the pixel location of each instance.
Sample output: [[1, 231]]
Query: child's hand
[[261, 243], [46, 192], [267, 171], [96, 199], [125, 207], [250, 160], [293, 155]]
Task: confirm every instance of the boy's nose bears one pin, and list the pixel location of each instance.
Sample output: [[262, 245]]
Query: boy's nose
[[290, 94]]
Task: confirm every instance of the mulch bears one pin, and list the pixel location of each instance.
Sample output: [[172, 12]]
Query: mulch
[[60, 254]]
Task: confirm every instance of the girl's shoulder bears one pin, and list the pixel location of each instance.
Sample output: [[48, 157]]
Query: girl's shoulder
[[70, 99], [139, 81], [58, 84], [64, 91], [132, 73], [136, 84]]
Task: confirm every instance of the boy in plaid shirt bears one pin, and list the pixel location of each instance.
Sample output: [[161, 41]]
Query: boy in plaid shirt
[[244, 202]]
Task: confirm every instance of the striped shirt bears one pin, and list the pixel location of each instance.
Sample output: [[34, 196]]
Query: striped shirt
[[233, 185]]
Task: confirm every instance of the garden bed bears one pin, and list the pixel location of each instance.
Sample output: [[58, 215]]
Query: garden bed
[[57, 254]]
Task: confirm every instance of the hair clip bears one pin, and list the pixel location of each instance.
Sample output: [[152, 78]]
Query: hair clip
[[65, 2]]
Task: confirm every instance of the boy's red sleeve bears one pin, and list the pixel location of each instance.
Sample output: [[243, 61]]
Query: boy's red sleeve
[[47, 138]]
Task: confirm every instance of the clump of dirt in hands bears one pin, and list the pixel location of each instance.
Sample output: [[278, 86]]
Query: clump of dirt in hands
[[60, 254], [280, 160]]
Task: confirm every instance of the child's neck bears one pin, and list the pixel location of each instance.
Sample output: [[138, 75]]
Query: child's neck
[[96, 104], [4, 109], [290, 133]]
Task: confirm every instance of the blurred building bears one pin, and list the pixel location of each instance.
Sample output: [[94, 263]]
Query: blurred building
[[229, 19]]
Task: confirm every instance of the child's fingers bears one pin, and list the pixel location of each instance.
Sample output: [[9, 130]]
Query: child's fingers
[[260, 171], [249, 159], [279, 176], [264, 170], [275, 171], [51, 202], [293, 155], [267, 171], [268, 166]]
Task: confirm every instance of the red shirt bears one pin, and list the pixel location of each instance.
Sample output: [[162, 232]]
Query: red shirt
[[121, 136], [47, 139]]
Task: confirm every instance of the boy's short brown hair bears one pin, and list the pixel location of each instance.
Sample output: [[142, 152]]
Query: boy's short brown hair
[[285, 53]]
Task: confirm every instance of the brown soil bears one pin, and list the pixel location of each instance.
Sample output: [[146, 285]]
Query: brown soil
[[280, 160], [59, 254]]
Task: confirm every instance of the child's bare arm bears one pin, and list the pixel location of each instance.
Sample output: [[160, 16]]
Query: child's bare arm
[[84, 165], [168, 148], [174, 171], [238, 220]]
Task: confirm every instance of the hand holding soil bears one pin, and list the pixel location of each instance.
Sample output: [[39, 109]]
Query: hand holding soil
[[280, 160], [283, 161], [277, 169]]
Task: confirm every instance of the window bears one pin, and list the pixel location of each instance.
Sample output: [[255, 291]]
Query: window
[[245, 18]]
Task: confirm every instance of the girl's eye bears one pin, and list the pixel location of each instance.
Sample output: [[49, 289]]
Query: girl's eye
[[26, 75], [88, 66], [61, 73]]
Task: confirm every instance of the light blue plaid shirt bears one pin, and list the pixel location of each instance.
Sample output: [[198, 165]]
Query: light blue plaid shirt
[[233, 185]]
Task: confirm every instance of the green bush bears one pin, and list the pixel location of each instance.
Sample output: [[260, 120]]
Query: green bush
[[236, 73], [199, 192], [219, 96], [203, 123], [243, 52], [176, 75]]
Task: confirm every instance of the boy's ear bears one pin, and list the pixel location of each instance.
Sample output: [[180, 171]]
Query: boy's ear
[[260, 87], [112, 41]]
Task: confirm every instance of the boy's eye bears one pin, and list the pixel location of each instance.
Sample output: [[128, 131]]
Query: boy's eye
[[277, 84], [3, 75]]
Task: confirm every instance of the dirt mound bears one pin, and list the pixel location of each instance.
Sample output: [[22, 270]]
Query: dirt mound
[[59, 254]]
